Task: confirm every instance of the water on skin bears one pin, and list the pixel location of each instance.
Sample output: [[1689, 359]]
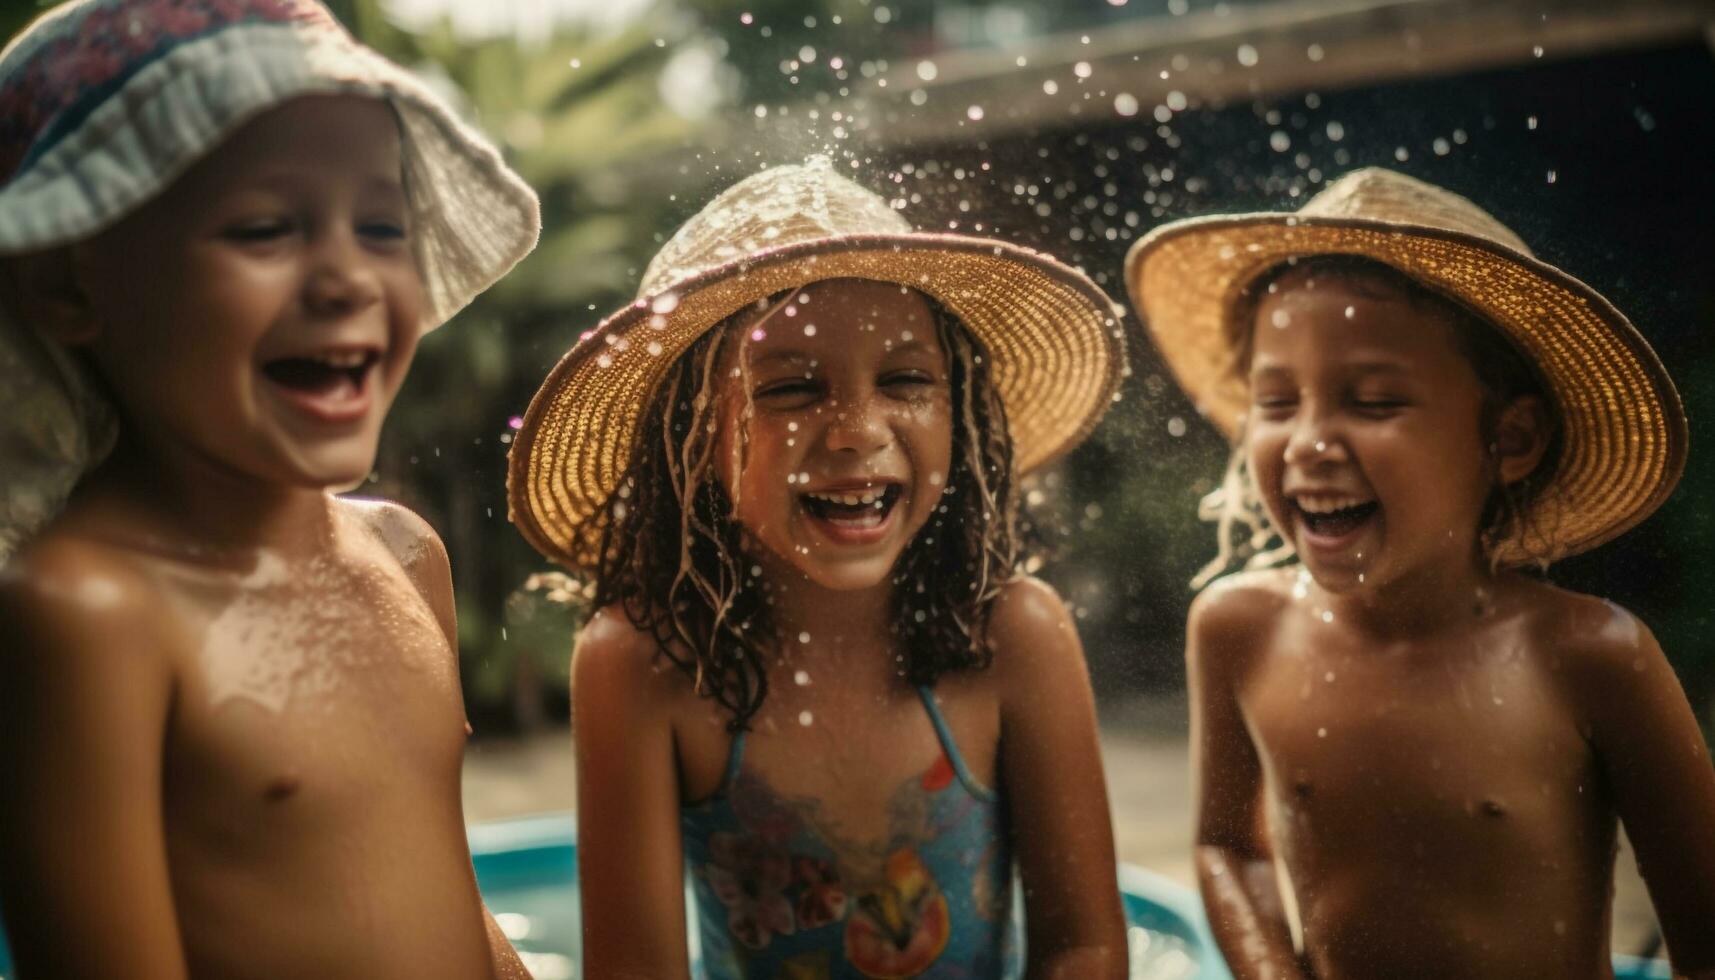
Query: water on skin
[[285, 635]]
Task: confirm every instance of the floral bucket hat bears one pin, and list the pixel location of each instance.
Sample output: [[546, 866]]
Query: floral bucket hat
[[104, 103]]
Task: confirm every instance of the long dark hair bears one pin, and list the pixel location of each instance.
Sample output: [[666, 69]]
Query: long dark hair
[[673, 557]]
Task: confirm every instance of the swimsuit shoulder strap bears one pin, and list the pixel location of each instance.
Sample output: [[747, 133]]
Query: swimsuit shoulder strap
[[951, 747]]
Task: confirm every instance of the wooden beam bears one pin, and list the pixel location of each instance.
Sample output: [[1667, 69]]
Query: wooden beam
[[1210, 59]]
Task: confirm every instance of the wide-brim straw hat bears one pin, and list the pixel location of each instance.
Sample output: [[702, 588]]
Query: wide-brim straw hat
[[1622, 425], [1055, 341], [104, 103]]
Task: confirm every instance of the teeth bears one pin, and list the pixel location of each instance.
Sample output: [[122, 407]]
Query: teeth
[[341, 360], [1329, 504], [849, 499]]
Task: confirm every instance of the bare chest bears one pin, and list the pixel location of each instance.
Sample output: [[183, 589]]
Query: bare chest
[[305, 691], [1461, 742]]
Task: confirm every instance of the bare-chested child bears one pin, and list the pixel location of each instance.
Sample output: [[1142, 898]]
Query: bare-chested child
[[232, 723], [1416, 744]]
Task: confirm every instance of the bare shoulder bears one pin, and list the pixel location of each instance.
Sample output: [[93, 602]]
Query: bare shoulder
[[1594, 641], [1030, 631], [69, 601], [616, 662], [1236, 611], [403, 532]]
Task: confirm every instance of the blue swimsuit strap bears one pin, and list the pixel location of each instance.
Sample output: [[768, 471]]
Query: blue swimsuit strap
[[951, 747], [735, 751]]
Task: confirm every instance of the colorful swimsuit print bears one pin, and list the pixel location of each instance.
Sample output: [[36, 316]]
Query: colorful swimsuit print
[[777, 901]]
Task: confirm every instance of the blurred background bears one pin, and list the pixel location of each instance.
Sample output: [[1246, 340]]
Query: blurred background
[[1071, 126]]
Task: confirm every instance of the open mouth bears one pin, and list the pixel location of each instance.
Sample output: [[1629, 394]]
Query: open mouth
[[1334, 517], [332, 384], [853, 512]]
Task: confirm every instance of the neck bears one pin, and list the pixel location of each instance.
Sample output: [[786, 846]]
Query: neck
[[192, 506], [829, 617], [1424, 601]]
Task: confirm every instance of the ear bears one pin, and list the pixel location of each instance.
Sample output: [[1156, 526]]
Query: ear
[[1520, 439], [45, 290]]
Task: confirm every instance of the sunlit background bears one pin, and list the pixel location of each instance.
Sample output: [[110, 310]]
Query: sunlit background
[[1071, 126]]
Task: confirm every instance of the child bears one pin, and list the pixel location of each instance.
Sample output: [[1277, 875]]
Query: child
[[815, 680], [232, 721], [1438, 743]]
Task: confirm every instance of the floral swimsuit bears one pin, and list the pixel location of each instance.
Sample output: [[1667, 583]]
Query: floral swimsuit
[[775, 898]]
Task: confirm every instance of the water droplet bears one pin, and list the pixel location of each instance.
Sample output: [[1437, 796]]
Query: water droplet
[[1351, 311], [1082, 69], [1336, 130], [665, 303], [805, 718], [1125, 104], [1321, 733], [1247, 55], [1280, 318], [974, 113], [1328, 617], [801, 678], [927, 71], [1279, 141], [1050, 87], [1329, 677], [803, 637]]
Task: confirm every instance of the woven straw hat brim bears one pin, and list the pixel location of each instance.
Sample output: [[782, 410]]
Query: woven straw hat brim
[[1056, 348], [473, 218], [1623, 426]]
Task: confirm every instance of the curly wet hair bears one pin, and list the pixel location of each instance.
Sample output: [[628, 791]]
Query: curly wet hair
[[1244, 531], [674, 559]]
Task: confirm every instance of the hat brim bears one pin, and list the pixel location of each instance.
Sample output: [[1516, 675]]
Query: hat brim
[[473, 219], [1056, 345], [1622, 423]]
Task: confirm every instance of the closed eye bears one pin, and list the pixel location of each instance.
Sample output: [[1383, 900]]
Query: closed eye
[[792, 388], [382, 230], [260, 230], [908, 379]]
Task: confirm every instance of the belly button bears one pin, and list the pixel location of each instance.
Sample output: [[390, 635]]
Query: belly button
[[1490, 808], [282, 788]]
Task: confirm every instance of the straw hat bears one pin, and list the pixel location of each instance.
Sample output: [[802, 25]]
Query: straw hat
[[1622, 423], [104, 103], [1055, 340]]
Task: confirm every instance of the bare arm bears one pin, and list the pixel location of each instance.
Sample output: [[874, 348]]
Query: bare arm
[[85, 693], [1052, 767], [1658, 768], [630, 857], [1235, 866]]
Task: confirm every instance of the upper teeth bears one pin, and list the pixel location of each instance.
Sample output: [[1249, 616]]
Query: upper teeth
[[1328, 505], [849, 499], [341, 360]]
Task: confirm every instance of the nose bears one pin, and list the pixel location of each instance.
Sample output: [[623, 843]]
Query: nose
[[1314, 441], [859, 426], [339, 280]]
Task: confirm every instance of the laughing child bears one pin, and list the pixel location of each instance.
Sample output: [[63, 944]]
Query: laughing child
[[232, 726], [1421, 748], [816, 681]]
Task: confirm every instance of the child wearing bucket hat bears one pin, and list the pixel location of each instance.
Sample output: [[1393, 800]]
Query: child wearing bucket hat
[[233, 727], [815, 680], [1416, 746]]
